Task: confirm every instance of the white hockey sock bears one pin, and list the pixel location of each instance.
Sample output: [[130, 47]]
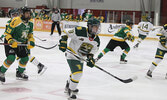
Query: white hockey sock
[[33, 60], [74, 80], [154, 64]]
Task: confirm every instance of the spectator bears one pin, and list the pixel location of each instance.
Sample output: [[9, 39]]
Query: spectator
[[88, 16], [100, 18], [126, 17], [9, 12], [63, 15], [34, 13], [84, 15], [78, 18], [2, 12]]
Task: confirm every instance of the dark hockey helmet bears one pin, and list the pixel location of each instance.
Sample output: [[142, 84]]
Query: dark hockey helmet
[[25, 14], [93, 26], [129, 22], [148, 18], [14, 13], [165, 27]]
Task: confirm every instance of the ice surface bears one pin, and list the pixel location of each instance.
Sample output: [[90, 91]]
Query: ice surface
[[94, 84]]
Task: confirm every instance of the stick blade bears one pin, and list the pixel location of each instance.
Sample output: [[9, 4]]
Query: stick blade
[[44, 40], [129, 80]]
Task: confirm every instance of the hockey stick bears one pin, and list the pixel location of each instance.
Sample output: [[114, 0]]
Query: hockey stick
[[40, 38], [122, 80], [47, 48]]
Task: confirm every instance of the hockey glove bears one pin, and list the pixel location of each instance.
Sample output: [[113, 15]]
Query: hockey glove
[[163, 40], [90, 61], [132, 39], [12, 43], [31, 43], [63, 43]]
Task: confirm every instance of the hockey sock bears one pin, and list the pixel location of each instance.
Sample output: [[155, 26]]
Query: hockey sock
[[22, 64], [10, 59], [103, 52], [154, 64], [33, 60], [75, 77], [125, 52]]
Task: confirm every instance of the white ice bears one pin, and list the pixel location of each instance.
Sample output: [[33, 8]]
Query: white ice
[[94, 84]]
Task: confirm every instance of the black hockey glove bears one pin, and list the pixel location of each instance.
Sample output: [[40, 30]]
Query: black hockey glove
[[63, 43], [130, 37], [91, 60], [163, 40]]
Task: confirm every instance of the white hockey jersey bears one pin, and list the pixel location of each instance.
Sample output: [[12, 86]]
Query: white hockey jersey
[[80, 42], [145, 27], [164, 33]]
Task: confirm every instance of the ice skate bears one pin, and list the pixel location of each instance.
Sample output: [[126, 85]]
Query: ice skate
[[123, 61], [136, 46], [2, 77], [21, 76], [149, 74], [72, 95], [166, 76], [67, 88], [41, 68]]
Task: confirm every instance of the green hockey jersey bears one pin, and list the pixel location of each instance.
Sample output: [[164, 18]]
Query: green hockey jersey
[[19, 30], [122, 34]]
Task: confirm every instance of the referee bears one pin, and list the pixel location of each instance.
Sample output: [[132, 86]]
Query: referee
[[56, 21]]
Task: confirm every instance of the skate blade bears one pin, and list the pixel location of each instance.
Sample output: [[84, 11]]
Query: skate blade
[[65, 91], [148, 77], [18, 78], [71, 99], [123, 62], [2, 83], [43, 70]]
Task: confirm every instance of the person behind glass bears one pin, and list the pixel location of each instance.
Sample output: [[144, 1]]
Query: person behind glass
[[56, 18]]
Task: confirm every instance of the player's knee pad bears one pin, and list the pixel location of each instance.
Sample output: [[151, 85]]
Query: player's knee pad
[[24, 60], [11, 59], [76, 77]]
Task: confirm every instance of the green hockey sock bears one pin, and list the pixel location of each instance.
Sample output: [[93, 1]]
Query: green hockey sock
[[3, 69], [21, 70], [103, 52], [123, 56]]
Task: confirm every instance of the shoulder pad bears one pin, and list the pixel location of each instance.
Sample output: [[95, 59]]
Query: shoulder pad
[[15, 22]]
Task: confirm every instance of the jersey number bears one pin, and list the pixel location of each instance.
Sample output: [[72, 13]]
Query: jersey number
[[145, 26], [85, 48]]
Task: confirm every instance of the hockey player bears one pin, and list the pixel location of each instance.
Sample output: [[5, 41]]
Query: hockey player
[[84, 42], [20, 30], [41, 68], [13, 13], [144, 27], [161, 50], [119, 39]]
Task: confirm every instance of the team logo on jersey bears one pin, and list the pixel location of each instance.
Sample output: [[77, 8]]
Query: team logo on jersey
[[11, 51], [24, 35]]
